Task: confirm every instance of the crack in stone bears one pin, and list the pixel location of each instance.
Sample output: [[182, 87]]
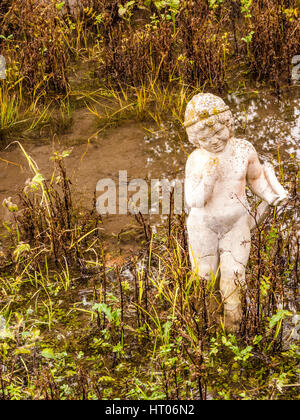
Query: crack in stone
[[230, 252]]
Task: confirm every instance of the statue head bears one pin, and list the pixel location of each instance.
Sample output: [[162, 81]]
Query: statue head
[[209, 122]]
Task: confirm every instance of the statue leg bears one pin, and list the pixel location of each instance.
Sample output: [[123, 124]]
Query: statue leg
[[203, 248], [234, 256], [204, 257]]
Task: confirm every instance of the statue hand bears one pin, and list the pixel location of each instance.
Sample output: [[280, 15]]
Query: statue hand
[[281, 200], [281, 195], [211, 170]]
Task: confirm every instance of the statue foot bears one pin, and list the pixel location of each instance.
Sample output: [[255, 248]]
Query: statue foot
[[233, 318]]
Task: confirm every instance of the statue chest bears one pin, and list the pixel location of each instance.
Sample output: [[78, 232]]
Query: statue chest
[[233, 168]]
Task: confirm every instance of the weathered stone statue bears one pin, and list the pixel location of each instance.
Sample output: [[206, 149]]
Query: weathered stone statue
[[219, 221]]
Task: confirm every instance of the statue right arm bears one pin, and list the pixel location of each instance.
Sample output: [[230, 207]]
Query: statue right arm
[[201, 176]]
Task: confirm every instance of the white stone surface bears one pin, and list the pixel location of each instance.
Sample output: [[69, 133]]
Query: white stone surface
[[219, 221]]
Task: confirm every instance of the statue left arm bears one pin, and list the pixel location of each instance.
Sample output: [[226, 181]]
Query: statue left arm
[[263, 182]]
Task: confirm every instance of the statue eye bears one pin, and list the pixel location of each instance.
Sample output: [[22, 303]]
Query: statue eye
[[219, 131]]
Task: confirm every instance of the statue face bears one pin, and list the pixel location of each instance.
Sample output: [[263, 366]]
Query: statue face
[[213, 139]]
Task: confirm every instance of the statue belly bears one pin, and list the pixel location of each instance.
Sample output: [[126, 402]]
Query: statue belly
[[220, 221]]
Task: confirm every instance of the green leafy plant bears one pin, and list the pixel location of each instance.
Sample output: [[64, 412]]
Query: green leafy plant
[[248, 39]]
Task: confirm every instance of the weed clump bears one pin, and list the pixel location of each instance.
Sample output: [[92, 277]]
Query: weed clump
[[34, 44], [48, 221], [276, 32], [189, 46]]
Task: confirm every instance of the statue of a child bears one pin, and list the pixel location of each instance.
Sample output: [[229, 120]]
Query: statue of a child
[[219, 222]]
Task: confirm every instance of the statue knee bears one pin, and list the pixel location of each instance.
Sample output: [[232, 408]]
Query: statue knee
[[204, 269], [232, 279], [231, 269], [235, 273]]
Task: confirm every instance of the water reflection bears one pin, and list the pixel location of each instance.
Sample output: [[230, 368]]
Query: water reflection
[[260, 117], [267, 122]]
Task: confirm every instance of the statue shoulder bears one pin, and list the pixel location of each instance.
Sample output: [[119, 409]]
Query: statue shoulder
[[244, 146]]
